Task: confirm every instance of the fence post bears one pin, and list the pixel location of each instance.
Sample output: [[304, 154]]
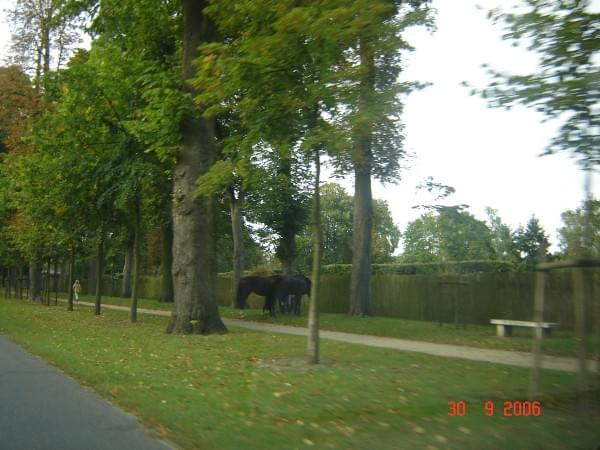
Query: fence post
[[538, 316]]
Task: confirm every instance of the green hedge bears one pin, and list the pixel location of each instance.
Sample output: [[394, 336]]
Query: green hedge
[[442, 268]]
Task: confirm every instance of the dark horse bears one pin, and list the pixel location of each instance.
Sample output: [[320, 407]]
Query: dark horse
[[253, 284], [288, 292]]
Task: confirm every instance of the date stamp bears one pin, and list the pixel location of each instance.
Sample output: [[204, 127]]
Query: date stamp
[[508, 408]]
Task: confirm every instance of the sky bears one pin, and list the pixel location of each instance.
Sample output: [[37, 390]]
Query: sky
[[490, 156]]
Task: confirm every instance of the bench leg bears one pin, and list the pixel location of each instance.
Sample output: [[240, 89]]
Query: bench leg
[[547, 332], [542, 332], [504, 330]]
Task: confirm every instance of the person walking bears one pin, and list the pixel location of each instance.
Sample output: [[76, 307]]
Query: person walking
[[76, 290]]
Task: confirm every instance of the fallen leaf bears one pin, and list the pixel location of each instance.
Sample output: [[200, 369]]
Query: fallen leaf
[[441, 439]]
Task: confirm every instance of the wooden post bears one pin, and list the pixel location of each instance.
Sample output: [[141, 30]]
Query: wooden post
[[538, 316], [580, 304]]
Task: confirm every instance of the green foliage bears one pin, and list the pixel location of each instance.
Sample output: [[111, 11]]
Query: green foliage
[[336, 221], [446, 267], [566, 36], [530, 241], [570, 235], [502, 236], [449, 234]]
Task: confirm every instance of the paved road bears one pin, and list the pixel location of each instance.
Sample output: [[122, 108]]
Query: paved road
[[43, 409], [521, 359]]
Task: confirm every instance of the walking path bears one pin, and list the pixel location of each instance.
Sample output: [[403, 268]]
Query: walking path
[[43, 409], [522, 359]]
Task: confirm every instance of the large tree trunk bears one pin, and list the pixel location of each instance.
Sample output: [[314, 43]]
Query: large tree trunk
[[194, 275], [313, 307], [126, 285], [360, 291], [166, 266], [35, 282], [238, 241]]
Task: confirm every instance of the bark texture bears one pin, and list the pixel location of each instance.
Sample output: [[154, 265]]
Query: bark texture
[[317, 236], [236, 203], [71, 277], [126, 285], [137, 255], [360, 290], [194, 275], [35, 282], [99, 271], [166, 267]]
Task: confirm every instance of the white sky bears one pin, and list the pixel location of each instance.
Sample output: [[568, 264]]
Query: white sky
[[489, 155]]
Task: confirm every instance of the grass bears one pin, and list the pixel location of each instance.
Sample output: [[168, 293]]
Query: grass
[[252, 390], [562, 342]]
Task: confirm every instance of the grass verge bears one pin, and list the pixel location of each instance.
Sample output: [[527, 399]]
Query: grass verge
[[253, 390], [562, 342]]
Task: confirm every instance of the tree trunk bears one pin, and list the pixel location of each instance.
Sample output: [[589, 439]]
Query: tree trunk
[[538, 316], [71, 278], [360, 290], [99, 270], [93, 270], [126, 285], [35, 282], [166, 267], [194, 275], [238, 241], [313, 308], [136, 261]]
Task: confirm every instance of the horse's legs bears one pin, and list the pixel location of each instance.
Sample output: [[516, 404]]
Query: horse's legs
[[242, 295]]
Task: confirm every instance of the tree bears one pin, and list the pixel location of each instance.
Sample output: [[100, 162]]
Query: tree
[[502, 236], [337, 219], [372, 118], [566, 36], [42, 32], [572, 232], [19, 104], [530, 242], [447, 234], [194, 275]]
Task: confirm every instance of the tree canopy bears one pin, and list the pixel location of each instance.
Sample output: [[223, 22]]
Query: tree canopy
[[566, 37]]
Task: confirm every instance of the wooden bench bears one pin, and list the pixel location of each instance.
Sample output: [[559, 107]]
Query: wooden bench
[[504, 327]]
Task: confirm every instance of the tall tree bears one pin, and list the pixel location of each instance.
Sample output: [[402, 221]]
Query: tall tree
[[337, 219], [194, 274], [42, 32], [572, 231], [447, 234], [370, 98], [502, 236], [530, 242]]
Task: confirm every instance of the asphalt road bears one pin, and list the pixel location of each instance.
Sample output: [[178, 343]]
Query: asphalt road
[[43, 409]]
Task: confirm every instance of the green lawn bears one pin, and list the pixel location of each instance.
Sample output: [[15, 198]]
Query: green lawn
[[562, 342], [253, 390]]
